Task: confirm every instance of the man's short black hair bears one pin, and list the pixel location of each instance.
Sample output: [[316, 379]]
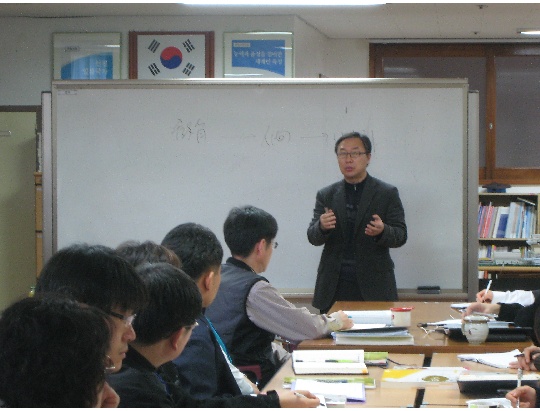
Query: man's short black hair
[[174, 301], [52, 353], [197, 246], [147, 252], [95, 275], [246, 226], [365, 141]]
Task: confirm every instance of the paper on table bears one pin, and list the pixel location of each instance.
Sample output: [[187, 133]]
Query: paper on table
[[352, 391], [371, 316], [497, 360]]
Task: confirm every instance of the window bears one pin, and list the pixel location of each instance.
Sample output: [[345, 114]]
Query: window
[[507, 77]]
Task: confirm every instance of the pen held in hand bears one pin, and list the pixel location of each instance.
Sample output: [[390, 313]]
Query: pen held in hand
[[519, 377], [299, 395], [487, 290]]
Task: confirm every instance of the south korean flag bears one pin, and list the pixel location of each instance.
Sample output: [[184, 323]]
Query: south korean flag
[[171, 56]]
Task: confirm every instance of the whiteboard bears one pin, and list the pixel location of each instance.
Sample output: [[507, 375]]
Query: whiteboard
[[133, 159]]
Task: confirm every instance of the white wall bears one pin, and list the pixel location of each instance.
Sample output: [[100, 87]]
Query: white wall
[[26, 47]]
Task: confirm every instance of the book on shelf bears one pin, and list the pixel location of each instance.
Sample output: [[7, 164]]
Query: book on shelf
[[329, 362], [503, 219], [496, 360], [442, 377], [400, 337]]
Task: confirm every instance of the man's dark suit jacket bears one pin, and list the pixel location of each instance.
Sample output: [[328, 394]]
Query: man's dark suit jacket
[[375, 268]]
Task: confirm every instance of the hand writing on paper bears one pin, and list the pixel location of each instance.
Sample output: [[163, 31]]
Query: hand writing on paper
[[327, 220], [484, 297], [375, 226]]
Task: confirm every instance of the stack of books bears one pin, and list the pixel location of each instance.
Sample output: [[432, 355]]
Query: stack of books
[[385, 335]]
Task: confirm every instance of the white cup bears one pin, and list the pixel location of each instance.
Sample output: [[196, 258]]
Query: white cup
[[401, 316], [475, 328]]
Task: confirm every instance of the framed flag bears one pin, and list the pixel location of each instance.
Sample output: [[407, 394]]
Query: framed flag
[[258, 54], [86, 56], [171, 55]]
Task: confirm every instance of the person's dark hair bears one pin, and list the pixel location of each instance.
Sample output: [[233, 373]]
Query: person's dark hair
[[197, 246], [246, 226], [95, 275], [365, 140], [174, 301], [147, 252], [53, 353]]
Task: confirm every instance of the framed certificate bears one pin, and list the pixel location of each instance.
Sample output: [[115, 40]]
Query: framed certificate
[[171, 55], [86, 56], [258, 54]]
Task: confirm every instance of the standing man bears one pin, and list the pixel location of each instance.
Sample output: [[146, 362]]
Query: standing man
[[358, 220]]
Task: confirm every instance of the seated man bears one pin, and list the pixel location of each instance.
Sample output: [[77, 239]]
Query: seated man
[[96, 275], [54, 354], [163, 329], [203, 367], [248, 312]]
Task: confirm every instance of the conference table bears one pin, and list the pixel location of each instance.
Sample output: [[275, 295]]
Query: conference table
[[376, 397], [425, 342]]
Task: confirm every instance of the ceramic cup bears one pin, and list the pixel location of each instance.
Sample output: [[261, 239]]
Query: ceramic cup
[[401, 316], [475, 328]]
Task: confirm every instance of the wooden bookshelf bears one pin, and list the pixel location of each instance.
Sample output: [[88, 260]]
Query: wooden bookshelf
[[510, 275]]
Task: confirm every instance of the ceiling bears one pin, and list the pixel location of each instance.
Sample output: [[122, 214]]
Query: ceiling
[[388, 21]]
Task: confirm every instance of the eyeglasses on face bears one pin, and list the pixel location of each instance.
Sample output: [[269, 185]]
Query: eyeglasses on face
[[109, 365], [192, 326], [128, 320], [342, 155], [274, 244]]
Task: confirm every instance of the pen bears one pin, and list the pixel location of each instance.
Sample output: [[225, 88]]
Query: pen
[[299, 395], [487, 289], [519, 377], [519, 355]]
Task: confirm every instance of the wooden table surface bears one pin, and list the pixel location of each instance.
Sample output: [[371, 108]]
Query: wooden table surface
[[377, 397], [424, 343]]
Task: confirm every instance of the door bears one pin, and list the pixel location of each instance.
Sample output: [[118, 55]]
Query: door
[[17, 202]]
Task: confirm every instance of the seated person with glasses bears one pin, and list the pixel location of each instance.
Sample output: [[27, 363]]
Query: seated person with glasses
[[248, 312], [163, 330], [54, 355], [96, 275]]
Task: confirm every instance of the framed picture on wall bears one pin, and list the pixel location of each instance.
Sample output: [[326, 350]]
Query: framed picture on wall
[[163, 55], [86, 56], [258, 54]]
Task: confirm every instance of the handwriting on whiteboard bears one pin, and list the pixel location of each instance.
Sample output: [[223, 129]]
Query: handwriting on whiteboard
[[194, 130]]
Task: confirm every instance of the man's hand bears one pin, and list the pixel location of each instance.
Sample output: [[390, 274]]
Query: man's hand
[[375, 226], [327, 220]]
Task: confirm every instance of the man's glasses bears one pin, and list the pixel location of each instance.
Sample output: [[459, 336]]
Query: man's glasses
[[342, 155], [274, 244], [192, 326], [128, 320], [109, 365]]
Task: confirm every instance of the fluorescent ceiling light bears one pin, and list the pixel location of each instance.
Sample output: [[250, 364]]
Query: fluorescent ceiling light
[[282, 2], [529, 32]]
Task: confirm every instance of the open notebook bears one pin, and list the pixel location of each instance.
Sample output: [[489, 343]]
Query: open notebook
[[497, 360]]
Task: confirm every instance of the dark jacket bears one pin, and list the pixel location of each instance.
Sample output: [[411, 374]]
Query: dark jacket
[[140, 385], [202, 368], [247, 343], [375, 268]]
